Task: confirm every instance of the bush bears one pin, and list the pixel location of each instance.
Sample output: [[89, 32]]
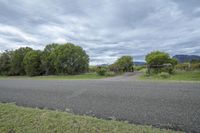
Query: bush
[[169, 70], [70, 59], [101, 71], [123, 64], [32, 63], [183, 67], [164, 75], [139, 68], [110, 73], [92, 69], [195, 66]]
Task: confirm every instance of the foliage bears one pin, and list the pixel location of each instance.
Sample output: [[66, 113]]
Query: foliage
[[123, 64], [55, 58], [160, 62], [177, 76], [101, 71], [110, 73], [195, 61], [17, 56], [114, 67], [5, 63], [184, 66], [195, 66], [70, 59], [32, 63], [139, 68], [188, 66], [92, 69], [157, 58], [164, 75], [47, 59]]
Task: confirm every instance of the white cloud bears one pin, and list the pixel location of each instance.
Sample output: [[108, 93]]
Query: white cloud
[[105, 29], [14, 31]]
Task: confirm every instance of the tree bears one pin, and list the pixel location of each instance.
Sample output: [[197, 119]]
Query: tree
[[124, 63], [55, 58], [17, 57], [32, 63], [70, 59], [47, 59], [157, 58], [160, 61], [5, 63]]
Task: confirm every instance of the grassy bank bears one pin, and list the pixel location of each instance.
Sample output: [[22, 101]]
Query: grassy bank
[[177, 76], [14, 119], [64, 77]]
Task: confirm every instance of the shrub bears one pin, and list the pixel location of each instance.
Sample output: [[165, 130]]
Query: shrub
[[195, 66], [70, 59], [101, 71], [164, 75], [183, 67], [169, 70], [32, 63], [92, 69], [110, 73], [139, 68], [123, 64]]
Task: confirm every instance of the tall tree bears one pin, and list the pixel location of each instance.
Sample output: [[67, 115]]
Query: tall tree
[[47, 60], [157, 58], [70, 59], [17, 57], [160, 61], [124, 63], [5, 63], [32, 63]]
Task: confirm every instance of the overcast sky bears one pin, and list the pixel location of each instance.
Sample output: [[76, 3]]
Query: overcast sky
[[106, 29]]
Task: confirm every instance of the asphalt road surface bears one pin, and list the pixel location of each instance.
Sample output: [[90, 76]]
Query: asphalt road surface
[[160, 104]]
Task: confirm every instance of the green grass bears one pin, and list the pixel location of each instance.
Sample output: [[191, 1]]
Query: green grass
[[177, 76], [14, 119], [58, 77]]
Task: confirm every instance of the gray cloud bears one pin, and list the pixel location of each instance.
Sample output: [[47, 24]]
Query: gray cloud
[[106, 29]]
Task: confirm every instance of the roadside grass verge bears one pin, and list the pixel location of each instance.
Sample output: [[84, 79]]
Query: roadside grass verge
[[177, 76], [15, 119], [58, 77]]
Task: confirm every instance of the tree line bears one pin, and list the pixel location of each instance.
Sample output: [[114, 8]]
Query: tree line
[[54, 59], [156, 62]]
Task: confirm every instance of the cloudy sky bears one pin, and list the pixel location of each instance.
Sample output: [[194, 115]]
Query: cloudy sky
[[106, 29]]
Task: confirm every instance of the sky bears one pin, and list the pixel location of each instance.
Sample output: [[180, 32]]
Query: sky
[[105, 29]]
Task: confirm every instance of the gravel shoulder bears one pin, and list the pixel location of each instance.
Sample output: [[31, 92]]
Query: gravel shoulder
[[165, 105]]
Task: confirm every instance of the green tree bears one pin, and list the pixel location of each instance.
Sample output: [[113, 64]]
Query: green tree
[[124, 63], [157, 58], [70, 59], [32, 63], [17, 57], [160, 61], [5, 63], [47, 59]]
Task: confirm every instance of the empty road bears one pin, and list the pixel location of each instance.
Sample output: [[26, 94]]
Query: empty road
[[161, 104]]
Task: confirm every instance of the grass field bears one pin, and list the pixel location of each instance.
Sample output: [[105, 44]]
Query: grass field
[[14, 119], [67, 77], [177, 76]]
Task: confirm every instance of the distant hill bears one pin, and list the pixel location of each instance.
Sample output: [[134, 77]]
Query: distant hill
[[186, 58], [138, 63], [103, 65]]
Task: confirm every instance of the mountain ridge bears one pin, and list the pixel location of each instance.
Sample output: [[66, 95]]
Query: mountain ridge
[[181, 58]]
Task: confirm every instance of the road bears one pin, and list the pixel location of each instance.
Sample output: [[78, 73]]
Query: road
[[160, 104]]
